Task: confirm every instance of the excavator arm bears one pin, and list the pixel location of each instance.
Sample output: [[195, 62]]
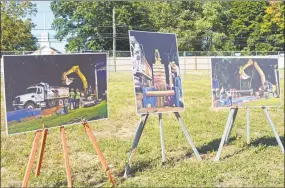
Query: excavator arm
[[75, 69], [244, 76], [261, 73]]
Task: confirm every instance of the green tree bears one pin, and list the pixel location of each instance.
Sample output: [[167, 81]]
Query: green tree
[[15, 31], [200, 26], [245, 24], [88, 25], [272, 28]]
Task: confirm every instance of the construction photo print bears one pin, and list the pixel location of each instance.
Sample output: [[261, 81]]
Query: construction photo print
[[245, 82], [44, 91], [156, 72]]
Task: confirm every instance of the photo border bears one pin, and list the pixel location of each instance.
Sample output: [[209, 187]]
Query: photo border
[[142, 113], [243, 57], [5, 110]]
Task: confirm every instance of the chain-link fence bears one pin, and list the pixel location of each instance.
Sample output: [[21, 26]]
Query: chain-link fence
[[181, 53], [196, 60]]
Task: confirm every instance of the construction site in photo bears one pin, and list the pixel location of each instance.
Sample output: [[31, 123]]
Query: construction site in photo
[[156, 72], [59, 90], [245, 82]]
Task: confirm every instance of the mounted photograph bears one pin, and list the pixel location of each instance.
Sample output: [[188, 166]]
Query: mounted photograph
[[245, 82], [156, 72], [44, 91]]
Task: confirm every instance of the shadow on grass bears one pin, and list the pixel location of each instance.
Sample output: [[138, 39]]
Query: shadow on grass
[[267, 141], [234, 153], [61, 184], [213, 145], [138, 166]]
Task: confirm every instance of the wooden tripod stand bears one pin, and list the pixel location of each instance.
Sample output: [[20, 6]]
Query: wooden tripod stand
[[65, 151], [141, 126]]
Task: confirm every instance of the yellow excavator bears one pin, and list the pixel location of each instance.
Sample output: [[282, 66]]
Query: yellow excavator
[[89, 98], [68, 81], [244, 76]]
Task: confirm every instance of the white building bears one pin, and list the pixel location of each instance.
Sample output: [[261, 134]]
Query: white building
[[45, 47]]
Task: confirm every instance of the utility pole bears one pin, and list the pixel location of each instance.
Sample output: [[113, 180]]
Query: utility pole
[[114, 37], [96, 84]]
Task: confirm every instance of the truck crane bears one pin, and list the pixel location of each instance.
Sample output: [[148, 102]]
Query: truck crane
[[141, 69]]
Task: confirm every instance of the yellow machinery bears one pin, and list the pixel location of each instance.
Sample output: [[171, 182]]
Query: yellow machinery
[[67, 81], [244, 76], [157, 57]]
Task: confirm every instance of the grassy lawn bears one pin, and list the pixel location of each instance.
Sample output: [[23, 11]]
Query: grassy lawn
[[264, 102], [260, 164], [99, 111]]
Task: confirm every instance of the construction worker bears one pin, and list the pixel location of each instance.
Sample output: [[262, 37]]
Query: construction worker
[[90, 90], [72, 99], [230, 98], [176, 76], [77, 98]]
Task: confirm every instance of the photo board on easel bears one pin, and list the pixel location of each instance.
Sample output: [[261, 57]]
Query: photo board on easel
[[245, 82], [54, 90], [156, 72]]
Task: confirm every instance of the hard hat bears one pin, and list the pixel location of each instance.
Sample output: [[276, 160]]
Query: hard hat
[[72, 89]]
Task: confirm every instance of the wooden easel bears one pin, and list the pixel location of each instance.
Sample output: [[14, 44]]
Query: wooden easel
[[65, 151], [230, 124], [141, 126]]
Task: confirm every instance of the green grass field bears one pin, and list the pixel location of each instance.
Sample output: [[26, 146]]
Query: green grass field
[[99, 111], [273, 102], [260, 164]]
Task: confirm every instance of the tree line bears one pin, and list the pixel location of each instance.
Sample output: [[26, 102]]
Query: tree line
[[199, 25]]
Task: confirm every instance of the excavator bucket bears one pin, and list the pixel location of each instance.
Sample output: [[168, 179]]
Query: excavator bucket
[[244, 76], [67, 81]]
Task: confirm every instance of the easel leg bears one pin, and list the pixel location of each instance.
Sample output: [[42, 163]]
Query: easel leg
[[66, 158], [135, 143], [162, 138], [231, 125], [187, 135], [227, 127], [248, 126], [41, 154], [31, 159], [100, 154], [274, 130]]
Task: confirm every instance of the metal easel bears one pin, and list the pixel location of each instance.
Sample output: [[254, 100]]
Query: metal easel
[[230, 124], [141, 126]]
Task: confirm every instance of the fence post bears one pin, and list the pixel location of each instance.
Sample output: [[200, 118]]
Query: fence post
[[184, 54], [195, 61]]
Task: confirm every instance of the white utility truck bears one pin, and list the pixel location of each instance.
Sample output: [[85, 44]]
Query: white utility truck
[[41, 95]]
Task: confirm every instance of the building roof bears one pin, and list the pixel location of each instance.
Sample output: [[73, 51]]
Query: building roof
[[46, 49]]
